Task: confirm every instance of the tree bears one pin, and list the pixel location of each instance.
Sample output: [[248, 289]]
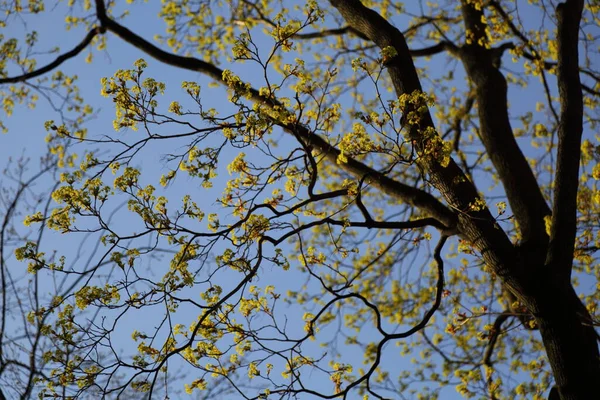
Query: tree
[[343, 151]]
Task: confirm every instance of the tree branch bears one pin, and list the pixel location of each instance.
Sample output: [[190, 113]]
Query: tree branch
[[59, 60], [476, 225], [411, 195], [495, 332], [435, 49], [529, 207], [570, 130], [372, 224], [327, 32], [438, 293]]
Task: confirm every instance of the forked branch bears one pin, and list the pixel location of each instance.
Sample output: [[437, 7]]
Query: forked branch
[[514, 171], [477, 225], [411, 195]]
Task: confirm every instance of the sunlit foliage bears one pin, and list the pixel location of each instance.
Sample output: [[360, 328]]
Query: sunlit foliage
[[312, 228]]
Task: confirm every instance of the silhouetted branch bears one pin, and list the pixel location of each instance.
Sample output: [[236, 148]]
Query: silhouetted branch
[[570, 130], [438, 292], [407, 193], [494, 334], [491, 92], [59, 60]]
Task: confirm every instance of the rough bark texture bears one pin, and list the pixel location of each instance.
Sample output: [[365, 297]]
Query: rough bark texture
[[535, 271], [569, 338]]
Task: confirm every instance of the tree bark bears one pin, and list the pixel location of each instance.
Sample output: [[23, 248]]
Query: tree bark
[[569, 337], [565, 324]]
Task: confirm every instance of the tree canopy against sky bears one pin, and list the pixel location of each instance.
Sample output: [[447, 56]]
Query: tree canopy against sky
[[302, 200]]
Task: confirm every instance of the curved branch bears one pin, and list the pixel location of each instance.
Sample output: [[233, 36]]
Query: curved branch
[[327, 32], [387, 337], [435, 49], [438, 293], [495, 333], [590, 90], [411, 195], [359, 203], [417, 223], [59, 60]]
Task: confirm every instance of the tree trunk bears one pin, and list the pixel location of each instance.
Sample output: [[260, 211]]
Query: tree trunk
[[565, 324], [569, 338]]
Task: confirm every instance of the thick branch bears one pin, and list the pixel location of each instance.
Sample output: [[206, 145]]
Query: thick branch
[[397, 225], [570, 129], [435, 49], [59, 60], [528, 206], [424, 52], [418, 223], [411, 195], [324, 33], [478, 226]]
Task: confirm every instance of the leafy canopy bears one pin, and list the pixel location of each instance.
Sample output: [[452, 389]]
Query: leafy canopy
[[271, 228]]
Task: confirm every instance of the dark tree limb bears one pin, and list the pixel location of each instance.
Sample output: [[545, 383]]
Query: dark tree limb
[[495, 333], [424, 52], [565, 324], [554, 395], [529, 207], [477, 226], [570, 130], [411, 195], [397, 225], [435, 49], [359, 203], [58, 61], [590, 90], [327, 32]]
